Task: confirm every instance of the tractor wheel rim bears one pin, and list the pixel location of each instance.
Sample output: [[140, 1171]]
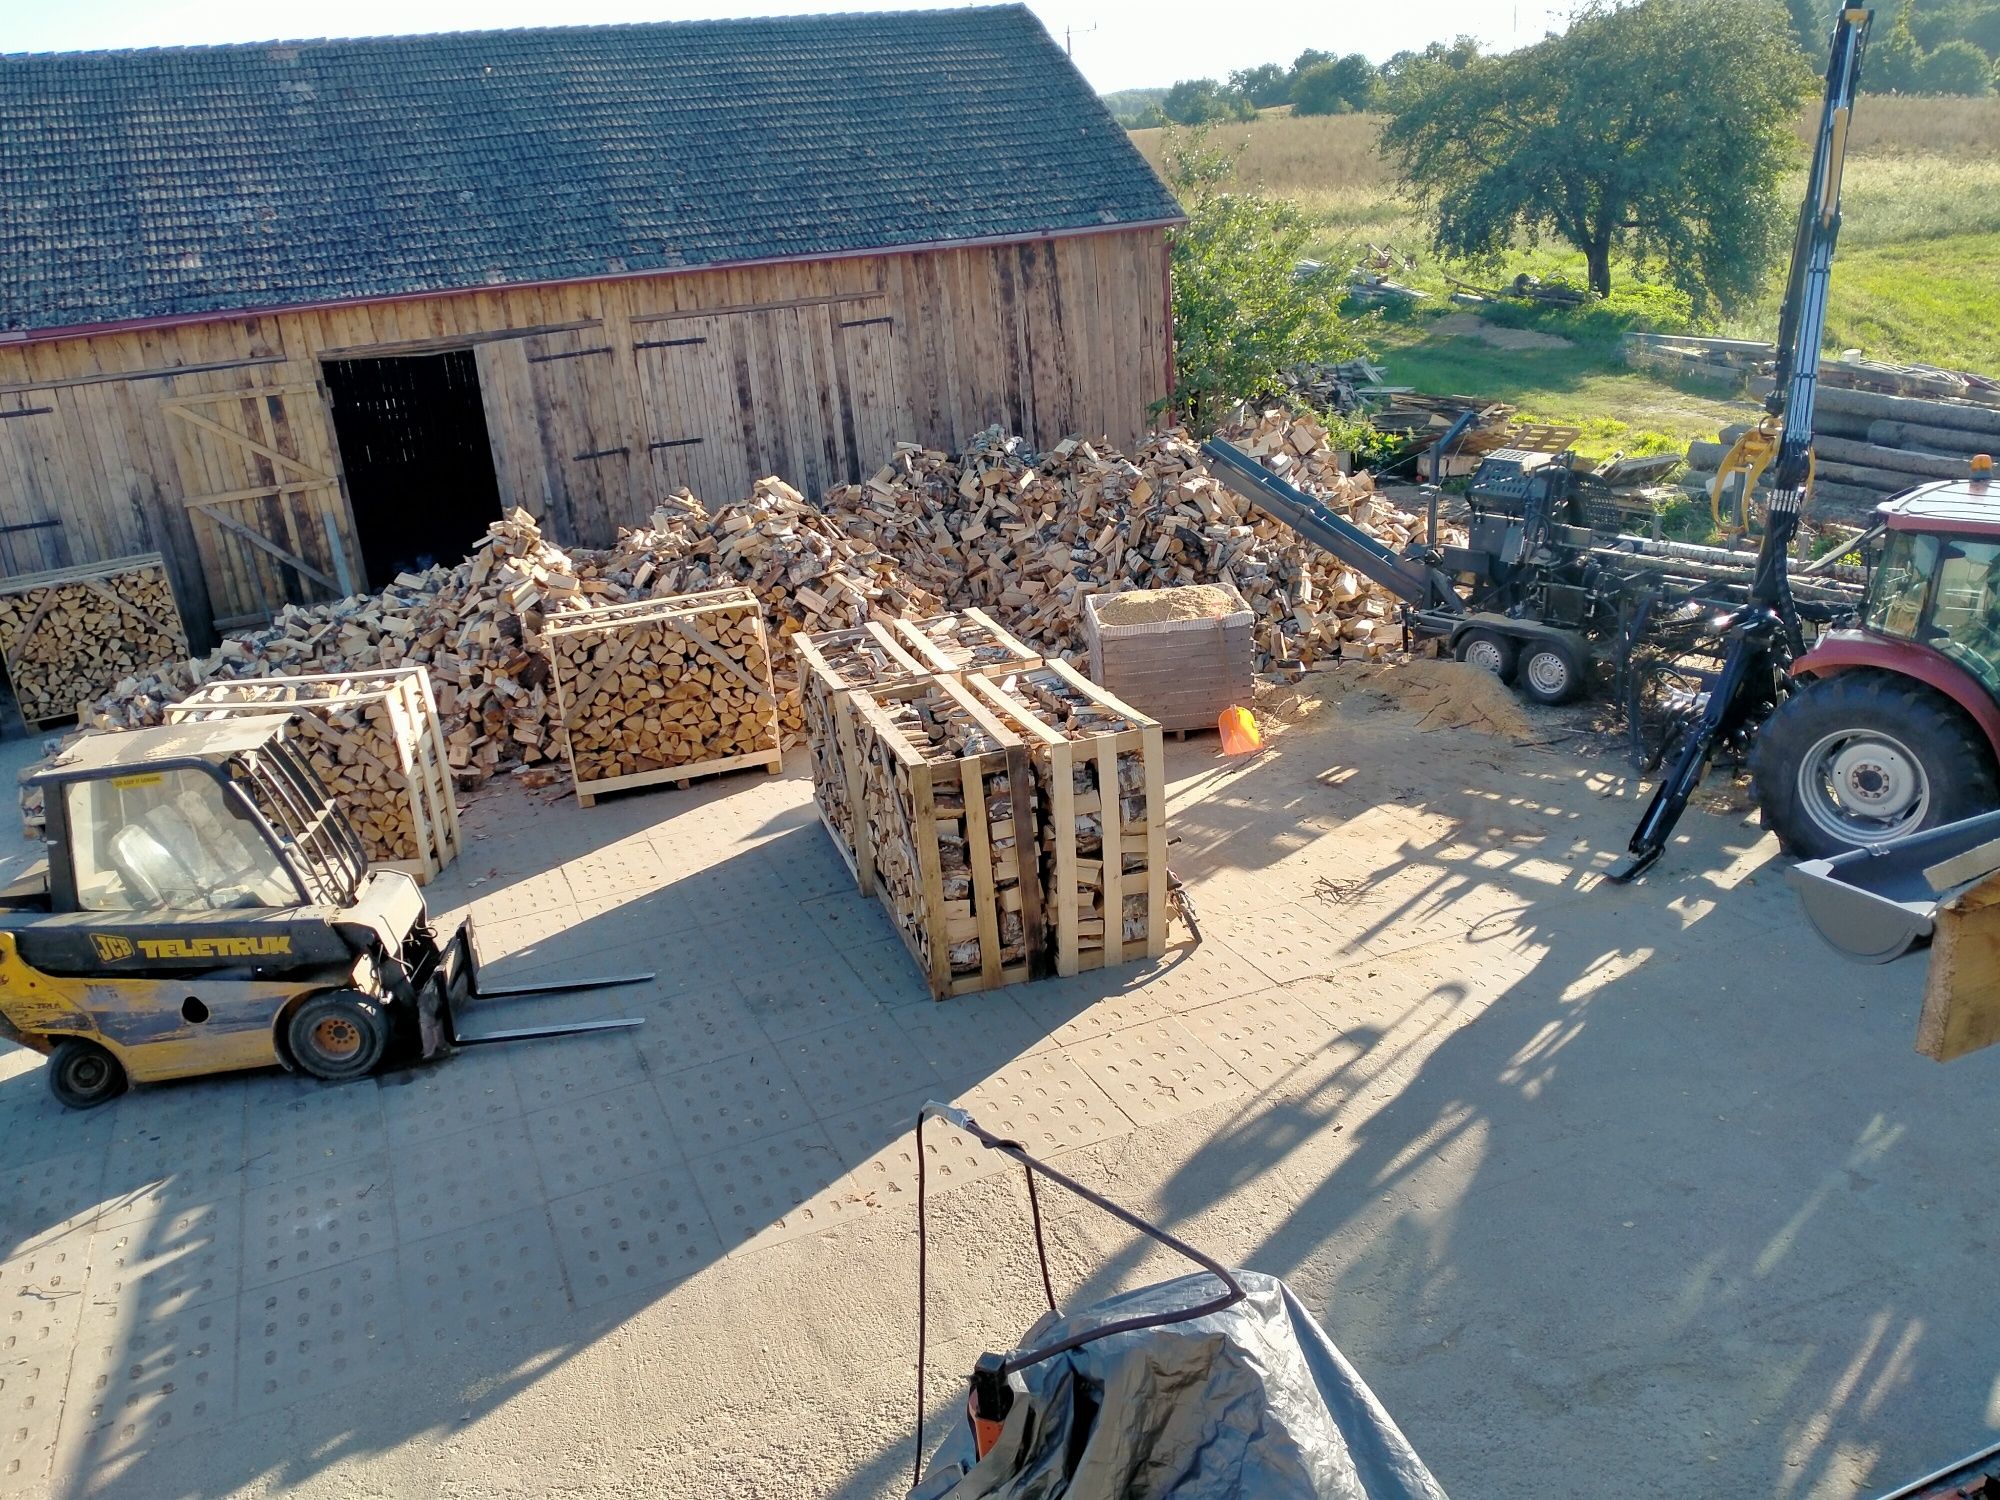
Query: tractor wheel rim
[[336, 1036], [1548, 672], [1486, 655], [1863, 788]]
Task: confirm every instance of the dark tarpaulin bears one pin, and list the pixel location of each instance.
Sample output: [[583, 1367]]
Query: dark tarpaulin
[[1253, 1401]]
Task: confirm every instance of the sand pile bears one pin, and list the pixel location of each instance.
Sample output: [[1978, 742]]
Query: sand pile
[[1199, 601], [1453, 695]]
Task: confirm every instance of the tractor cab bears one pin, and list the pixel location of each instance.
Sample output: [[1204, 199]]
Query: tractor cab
[[1937, 582]]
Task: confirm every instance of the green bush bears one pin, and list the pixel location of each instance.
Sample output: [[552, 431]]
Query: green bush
[[1243, 314], [1955, 68]]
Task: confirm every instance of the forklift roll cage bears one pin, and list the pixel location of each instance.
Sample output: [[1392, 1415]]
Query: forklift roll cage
[[264, 782]]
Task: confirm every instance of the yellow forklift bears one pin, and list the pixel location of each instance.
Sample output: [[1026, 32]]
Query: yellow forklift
[[205, 906]]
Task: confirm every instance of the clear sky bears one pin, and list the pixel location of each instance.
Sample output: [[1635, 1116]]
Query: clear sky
[[1117, 43]]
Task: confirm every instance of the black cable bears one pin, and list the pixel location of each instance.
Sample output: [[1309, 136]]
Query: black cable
[[1041, 1249]]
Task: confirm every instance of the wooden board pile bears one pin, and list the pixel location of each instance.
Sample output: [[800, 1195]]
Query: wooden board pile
[[375, 740], [1100, 768], [1030, 538], [664, 690], [951, 807], [69, 634]]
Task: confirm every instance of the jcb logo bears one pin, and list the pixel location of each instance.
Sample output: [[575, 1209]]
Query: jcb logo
[[110, 948]]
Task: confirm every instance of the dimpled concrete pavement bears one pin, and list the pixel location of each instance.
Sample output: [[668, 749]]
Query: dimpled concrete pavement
[[1584, 1180]]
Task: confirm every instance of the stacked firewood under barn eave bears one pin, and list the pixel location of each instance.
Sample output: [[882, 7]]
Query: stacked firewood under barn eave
[[1024, 537]]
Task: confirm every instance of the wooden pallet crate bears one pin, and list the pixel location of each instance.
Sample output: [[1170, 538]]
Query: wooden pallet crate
[[949, 796], [375, 740], [970, 640], [834, 665], [664, 690], [1181, 671], [1103, 833], [69, 635]]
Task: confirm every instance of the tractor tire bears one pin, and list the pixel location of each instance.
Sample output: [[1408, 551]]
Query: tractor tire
[[1491, 650], [1862, 757], [1551, 673], [83, 1075], [338, 1035]]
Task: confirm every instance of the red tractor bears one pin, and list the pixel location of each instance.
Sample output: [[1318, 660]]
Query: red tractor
[[1893, 725]]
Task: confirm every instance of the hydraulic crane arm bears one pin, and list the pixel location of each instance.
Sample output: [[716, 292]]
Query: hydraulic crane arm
[[1411, 579], [1764, 636]]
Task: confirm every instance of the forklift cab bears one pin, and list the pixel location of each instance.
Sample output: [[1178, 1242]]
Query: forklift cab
[[194, 818]]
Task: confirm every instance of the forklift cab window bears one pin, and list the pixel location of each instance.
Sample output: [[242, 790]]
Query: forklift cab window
[[168, 841], [1896, 593]]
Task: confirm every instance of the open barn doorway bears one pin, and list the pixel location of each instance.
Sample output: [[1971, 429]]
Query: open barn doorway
[[412, 433]]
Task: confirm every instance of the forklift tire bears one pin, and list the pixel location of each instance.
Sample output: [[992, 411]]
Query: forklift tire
[[1490, 650], [1908, 758], [1550, 673], [338, 1035], [83, 1075]]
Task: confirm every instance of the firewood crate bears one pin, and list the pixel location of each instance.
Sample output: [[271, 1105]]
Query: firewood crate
[[1157, 650], [1103, 833], [833, 666], [970, 640], [664, 690], [70, 635], [949, 798], [375, 741]]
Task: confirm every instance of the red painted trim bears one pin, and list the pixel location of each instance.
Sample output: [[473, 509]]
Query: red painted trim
[[20, 338], [1845, 650]]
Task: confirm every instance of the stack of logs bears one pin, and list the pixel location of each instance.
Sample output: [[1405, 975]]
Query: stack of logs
[[375, 741], [952, 814], [998, 529], [923, 767], [68, 635], [1029, 538], [664, 690]]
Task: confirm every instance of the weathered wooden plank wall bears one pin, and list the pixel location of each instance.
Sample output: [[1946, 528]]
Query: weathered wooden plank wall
[[600, 398]]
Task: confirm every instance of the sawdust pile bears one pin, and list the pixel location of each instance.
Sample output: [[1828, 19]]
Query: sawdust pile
[[1197, 601], [1452, 695]]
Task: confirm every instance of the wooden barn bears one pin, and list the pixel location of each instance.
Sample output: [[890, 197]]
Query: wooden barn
[[300, 315]]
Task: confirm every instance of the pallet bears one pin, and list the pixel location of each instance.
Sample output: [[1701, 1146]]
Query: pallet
[[659, 644], [51, 678], [833, 666], [962, 888], [412, 752], [1072, 878]]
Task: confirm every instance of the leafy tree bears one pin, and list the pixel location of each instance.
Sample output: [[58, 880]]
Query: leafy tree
[[1263, 86], [1955, 67], [1661, 130], [1312, 57], [1455, 54], [1894, 57], [1203, 101], [1334, 88], [1242, 312]]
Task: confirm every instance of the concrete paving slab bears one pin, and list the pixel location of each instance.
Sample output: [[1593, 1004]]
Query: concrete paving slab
[[854, 1062], [31, 1414], [144, 1376], [767, 1191], [450, 1180], [477, 1279], [632, 1236], [165, 1263], [731, 1100], [585, 1143], [314, 1222], [41, 1298], [307, 1335], [1156, 1070]]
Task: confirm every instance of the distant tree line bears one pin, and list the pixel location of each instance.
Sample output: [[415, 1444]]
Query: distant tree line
[[1316, 83], [1926, 47]]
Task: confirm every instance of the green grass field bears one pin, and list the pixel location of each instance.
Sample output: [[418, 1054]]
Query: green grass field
[[1917, 277]]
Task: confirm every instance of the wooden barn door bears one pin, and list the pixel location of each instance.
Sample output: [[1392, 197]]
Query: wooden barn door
[[258, 477]]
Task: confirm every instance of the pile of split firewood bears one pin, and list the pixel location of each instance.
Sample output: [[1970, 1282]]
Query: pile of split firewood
[[1025, 536], [1028, 538]]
